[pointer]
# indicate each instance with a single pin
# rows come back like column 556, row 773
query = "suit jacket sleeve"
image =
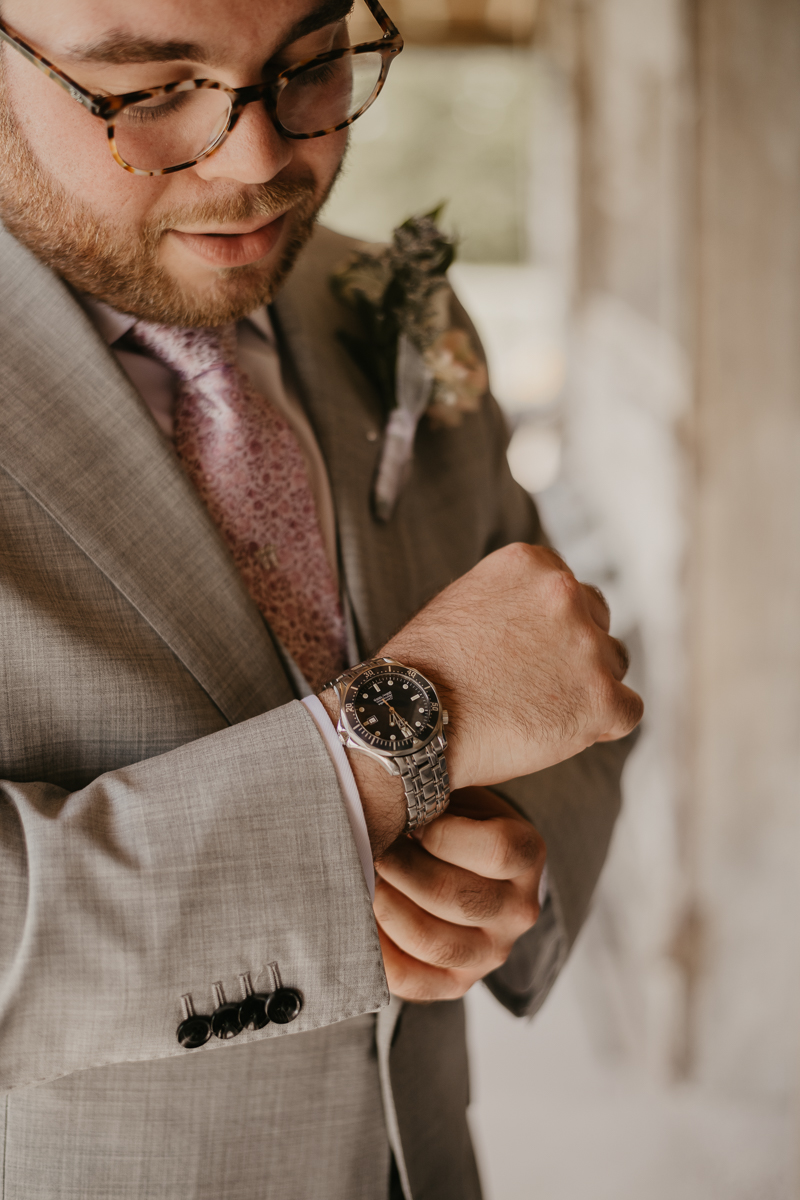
column 158, row 879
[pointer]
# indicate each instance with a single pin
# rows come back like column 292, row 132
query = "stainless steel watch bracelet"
column 426, row 782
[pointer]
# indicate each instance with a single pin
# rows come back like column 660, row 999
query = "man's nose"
column 253, row 152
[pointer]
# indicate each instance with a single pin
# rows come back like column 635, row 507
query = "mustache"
column 266, row 200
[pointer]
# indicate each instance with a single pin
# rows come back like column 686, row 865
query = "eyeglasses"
column 160, row 130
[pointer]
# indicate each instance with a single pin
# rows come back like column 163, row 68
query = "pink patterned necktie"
column 245, row 462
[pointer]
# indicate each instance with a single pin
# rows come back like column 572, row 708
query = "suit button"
column 225, row 1021
column 194, row 1032
column 225, row 1017
column 284, row 1005
column 253, row 1011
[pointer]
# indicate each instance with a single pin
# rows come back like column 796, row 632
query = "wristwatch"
column 392, row 713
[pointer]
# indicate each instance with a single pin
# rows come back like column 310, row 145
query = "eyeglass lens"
column 168, row 130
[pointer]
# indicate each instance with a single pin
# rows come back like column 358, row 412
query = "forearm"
column 161, row 878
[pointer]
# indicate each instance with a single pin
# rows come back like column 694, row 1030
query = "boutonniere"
column 418, row 361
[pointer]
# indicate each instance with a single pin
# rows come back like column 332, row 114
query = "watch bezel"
column 367, row 742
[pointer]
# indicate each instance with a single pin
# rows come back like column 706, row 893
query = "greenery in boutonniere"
column 402, row 289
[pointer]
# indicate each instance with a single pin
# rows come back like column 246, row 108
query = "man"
column 191, row 963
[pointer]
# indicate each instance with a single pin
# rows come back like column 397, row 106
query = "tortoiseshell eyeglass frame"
column 107, row 107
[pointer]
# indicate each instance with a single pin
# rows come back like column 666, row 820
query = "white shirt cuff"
column 344, row 773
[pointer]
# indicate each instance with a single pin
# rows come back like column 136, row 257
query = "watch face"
column 392, row 709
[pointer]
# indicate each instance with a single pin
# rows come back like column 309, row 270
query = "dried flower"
column 409, row 350
column 401, row 288
column 460, row 378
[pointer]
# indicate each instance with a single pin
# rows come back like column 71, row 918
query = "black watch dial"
column 392, row 709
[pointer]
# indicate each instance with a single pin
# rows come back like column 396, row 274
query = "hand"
column 451, row 900
column 521, row 654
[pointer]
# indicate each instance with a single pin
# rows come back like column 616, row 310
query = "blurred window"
column 456, row 124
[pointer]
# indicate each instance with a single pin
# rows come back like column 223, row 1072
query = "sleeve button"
column 194, row 1032
column 284, row 1005
column 225, row 1022
column 253, row 1011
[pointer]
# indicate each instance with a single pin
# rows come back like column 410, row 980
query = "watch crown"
column 445, row 717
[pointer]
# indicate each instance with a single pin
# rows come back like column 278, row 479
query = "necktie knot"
column 190, row 353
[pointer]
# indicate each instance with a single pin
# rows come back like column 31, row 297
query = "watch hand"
column 407, row 728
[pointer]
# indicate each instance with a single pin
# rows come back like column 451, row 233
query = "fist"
column 521, row 653
column 451, row 900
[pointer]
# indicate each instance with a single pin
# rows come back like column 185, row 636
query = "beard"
column 120, row 266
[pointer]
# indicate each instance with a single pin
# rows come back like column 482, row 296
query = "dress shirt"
column 259, row 357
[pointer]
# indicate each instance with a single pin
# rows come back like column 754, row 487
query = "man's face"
column 201, row 246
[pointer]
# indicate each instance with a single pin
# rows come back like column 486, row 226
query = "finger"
column 597, row 605
column 616, row 657
column 413, row 980
column 629, row 710
column 431, row 940
column 452, row 893
column 479, row 803
column 497, row 848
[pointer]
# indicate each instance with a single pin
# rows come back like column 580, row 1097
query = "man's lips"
column 233, row 249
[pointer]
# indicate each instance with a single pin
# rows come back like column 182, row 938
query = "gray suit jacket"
column 169, row 815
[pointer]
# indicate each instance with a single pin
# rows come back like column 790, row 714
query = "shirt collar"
column 111, row 325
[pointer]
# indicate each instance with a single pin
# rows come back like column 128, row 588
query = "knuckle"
column 452, row 955
column 480, row 901
column 549, row 557
column 499, row 851
column 516, row 556
column 529, row 912
column 534, row 851
column 424, row 941
column 514, row 849
column 506, row 859
column 565, row 591
column 422, row 944
column 443, row 893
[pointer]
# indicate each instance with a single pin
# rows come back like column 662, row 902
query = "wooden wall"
column 744, row 813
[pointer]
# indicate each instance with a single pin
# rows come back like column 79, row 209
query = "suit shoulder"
column 325, row 251
column 325, row 239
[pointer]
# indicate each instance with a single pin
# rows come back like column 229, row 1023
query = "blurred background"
column 624, row 179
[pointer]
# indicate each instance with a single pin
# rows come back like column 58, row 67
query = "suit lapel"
column 378, row 560
column 77, row 437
